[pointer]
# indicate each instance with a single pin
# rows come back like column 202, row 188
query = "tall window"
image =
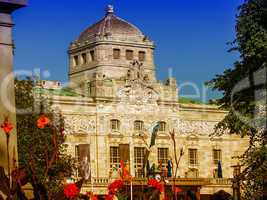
column 92, row 55
column 138, row 125
column 114, row 157
column 163, row 156
column 82, row 154
column 76, row 60
column 139, row 153
column 116, row 53
column 192, row 157
column 141, row 56
column 84, row 58
column 162, row 126
column 129, row 54
column 114, row 125
column 217, row 156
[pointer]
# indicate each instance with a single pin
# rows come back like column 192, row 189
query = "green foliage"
column 41, row 151
column 244, row 93
column 189, row 101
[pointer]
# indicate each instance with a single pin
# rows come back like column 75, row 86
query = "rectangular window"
column 114, row 157
column 92, row 55
column 76, row 60
column 162, row 126
column 84, row 58
column 163, row 156
column 82, row 154
column 217, row 156
column 138, row 125
column 192, row 157
column 115, row 125
column 139, row 153
column 116, row 53
column 141, row 55
column 129, row 54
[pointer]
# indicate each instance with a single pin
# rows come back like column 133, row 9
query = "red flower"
column 71, row 191
column 115, row 186
column 155, row 184
column 125, row 174
column 109, row 197
column 177, row 190
column 93, row 197
column 42, row 121
column 7, row 126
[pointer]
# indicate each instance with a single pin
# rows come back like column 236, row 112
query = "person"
column 169, row 168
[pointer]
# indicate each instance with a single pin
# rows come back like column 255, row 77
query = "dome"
column 111, row 25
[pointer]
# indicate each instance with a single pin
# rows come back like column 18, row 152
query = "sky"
column 191, row 36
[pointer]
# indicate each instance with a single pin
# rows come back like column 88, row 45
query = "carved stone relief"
column 78, row 124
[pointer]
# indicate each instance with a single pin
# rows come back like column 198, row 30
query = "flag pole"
column 131, row 190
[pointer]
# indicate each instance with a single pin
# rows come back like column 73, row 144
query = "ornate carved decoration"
column 138, row 90
column 78, row 124
column 196, row 127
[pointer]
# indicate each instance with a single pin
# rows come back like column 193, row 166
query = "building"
column 7, row 99
column 117, row 98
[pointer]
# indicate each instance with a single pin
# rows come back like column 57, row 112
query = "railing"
column 100, row 181
column 220, row 181
column 169, row 181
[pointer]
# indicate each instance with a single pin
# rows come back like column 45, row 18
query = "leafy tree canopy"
column 244, row 93
column 41, row 151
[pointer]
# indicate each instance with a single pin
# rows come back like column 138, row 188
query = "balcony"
column 169, row 181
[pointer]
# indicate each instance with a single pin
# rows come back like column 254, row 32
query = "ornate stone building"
column 117, row 99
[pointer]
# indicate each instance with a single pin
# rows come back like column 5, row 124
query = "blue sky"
column 190, row 35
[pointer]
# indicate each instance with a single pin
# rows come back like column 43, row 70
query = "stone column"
column 7, row 100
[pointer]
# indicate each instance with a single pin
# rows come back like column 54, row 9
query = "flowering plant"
column 155, row 184
column 115, row 186
column 71, row 191
column 7, row 126
column 42, row 121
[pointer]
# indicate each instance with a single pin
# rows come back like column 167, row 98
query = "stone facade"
column 117, row 99
column 7, row 97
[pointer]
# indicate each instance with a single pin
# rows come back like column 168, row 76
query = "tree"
column 41, row 147
column 244, row 94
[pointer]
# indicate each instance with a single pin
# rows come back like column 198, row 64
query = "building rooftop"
column 110, row 25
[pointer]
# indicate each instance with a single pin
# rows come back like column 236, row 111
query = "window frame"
column 143, row 57
column 194, row 159
column 76, row 60
column 129, row 54
column 117, row 125
column 92, row 55
column 116, row 57
column 139, row 154
column 218, row 153
column 114, row 157
column 163, row 156
column 162, row 126
column 84, row 58
column 138, row 125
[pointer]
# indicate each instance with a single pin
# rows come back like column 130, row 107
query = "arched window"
column 138, row 125
column 162, row 126
column 114, row 125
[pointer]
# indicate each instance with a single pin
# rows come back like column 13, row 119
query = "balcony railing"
column 169, row 181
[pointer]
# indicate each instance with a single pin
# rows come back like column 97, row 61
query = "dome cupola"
column 111, row 27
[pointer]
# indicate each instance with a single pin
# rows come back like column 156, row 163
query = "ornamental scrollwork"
column 197, row 127
column 78, row 125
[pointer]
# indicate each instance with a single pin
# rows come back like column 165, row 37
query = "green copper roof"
column 56, row 92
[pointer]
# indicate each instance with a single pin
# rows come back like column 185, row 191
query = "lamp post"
column 7, row 96
column 236, row 181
